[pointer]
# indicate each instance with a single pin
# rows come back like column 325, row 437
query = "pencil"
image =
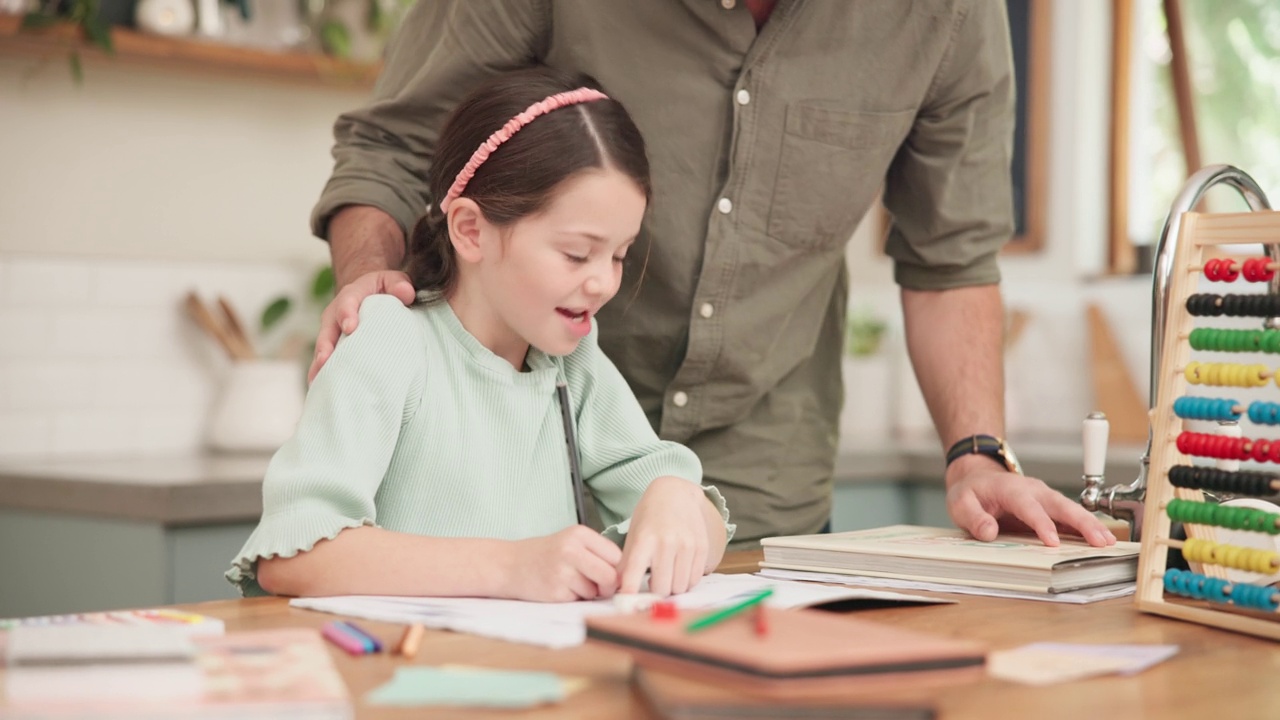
column 411, row 640
column 723, row 614
column 571, row 441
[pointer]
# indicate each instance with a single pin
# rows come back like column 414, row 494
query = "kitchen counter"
column 170, row 490
column 211, row 488
column 919, row 460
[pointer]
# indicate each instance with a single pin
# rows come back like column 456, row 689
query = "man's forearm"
column 955, row 339
column 363, row 239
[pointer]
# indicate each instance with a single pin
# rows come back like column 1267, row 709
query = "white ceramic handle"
column 1230, row 429
column 1096, row 430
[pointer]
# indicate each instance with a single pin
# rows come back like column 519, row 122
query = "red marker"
column 762, row 621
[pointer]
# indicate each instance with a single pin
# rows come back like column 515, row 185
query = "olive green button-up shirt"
column 766, row 149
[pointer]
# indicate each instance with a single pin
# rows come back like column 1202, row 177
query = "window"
column 1215, row 63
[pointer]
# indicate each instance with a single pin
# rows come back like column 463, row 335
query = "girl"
column 431, row 456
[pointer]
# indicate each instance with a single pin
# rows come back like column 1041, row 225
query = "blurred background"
column 161, row 158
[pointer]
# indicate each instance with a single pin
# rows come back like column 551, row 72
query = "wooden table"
column 1217, row 674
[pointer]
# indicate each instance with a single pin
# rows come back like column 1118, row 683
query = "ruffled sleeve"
column 324, row 479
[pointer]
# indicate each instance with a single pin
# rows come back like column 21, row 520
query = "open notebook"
column 560, row 625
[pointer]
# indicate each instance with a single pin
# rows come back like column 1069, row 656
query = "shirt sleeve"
column 444, row 48
column 323, row 479
column 949, row 188
column 620, row 453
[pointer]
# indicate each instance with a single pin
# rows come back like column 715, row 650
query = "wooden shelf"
column 140, row 49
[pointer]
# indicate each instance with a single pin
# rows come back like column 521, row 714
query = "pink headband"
column 504, row 133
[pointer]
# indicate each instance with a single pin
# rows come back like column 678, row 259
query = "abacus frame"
column 1195, row 233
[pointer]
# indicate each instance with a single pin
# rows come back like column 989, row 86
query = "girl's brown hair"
column 520, row 176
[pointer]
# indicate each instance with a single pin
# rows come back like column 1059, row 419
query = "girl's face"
column 542, row 279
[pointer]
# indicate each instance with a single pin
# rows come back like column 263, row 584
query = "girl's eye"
column 619, row 260
column 577, row 259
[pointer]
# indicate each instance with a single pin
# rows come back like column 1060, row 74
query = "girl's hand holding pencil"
column 576, row 563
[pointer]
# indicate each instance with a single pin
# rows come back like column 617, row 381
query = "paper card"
column 1047, row 663
column 471, row 687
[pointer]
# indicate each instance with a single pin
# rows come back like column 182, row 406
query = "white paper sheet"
column 560, row 625
column 1079, row 597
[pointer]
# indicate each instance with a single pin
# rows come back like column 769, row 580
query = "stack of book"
column 149, row 671
column 950, row 556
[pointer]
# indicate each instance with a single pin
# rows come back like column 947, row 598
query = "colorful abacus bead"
column 1264, row 413
column 1203, row 408
column 1221, row 270
column 1257, row 270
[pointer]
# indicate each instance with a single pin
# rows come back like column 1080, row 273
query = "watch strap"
column 989, row 445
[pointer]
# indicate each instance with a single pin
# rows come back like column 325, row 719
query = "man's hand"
column 983, row 499
column 342, row 315
column 668, row 537
column 576, row 563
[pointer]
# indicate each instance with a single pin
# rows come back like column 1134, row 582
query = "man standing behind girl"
column 431, row 456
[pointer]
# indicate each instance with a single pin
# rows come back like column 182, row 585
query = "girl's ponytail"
column 432, row 264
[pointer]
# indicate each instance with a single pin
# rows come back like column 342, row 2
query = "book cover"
column 803, row 651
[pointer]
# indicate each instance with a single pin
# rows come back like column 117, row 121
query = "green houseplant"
column 863, row 333
column 302, row 334
column 81, row 13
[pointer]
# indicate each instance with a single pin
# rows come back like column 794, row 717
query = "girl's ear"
column 465, row 221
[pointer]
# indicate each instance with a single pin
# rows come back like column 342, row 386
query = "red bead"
column 1227, row 271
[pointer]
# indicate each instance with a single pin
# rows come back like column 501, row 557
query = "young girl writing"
column 431, row 456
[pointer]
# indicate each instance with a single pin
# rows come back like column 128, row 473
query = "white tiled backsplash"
column 97, row 357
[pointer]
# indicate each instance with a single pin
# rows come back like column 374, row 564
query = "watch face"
column 1010, row 459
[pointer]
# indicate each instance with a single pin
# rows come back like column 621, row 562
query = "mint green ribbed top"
column 416, row 427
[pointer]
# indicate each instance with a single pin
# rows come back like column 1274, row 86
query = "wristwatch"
column 991, row 446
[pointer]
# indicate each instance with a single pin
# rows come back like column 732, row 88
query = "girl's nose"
column 602, row 281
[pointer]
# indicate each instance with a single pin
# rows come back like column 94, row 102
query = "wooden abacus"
column 1175, row 487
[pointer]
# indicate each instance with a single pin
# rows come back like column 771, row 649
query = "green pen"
column 712, row 618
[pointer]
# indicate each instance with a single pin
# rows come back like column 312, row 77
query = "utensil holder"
column 258, row 406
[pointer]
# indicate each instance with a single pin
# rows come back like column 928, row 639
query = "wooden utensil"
column 210, row 324
column 236, row 329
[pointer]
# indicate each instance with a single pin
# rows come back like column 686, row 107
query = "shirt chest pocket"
column 832, row 163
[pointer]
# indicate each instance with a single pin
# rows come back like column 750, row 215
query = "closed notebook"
column 286, row 673
column 672, row 697
column 945, row 555
column 70, row 663
column 804, row 651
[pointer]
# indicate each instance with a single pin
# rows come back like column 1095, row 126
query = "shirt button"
column 725, row 205
column 680, row 398
column 744, row 97
column 706, row 310
column 728, row 4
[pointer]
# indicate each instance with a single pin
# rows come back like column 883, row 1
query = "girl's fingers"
column 582, row 587
column 682, row 571
column 603, row 575
column 661, row 571
column 635, row 561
